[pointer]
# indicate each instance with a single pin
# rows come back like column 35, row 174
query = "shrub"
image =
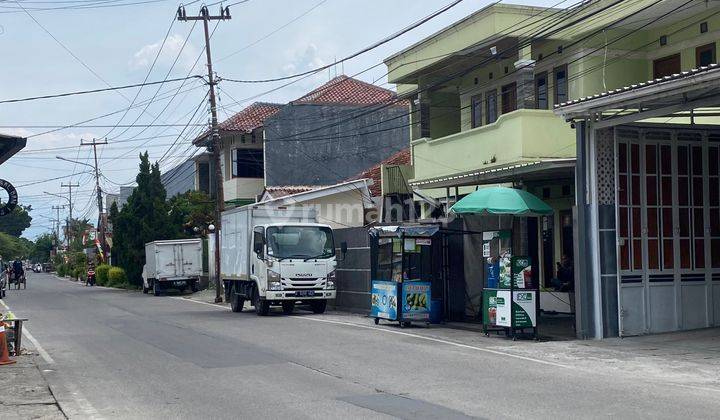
column 117, row 277
column 62, row 270
column 101, row 274
column 79, row 274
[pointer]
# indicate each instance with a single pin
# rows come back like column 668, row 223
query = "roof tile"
column 346, row 90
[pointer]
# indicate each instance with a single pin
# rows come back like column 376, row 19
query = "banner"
column 522, row 272
column 524, row 314
column 384, row 300
column 416, row 300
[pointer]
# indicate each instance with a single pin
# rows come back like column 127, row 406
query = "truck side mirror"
column 258, row 248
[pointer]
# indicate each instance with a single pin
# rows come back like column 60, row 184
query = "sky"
column 64, row 50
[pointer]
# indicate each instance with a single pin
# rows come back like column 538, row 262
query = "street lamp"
column 56, row 195
column 74, row 161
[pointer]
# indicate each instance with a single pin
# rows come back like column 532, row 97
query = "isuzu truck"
column 277, row 257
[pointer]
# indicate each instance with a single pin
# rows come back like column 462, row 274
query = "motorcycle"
column 90, row 279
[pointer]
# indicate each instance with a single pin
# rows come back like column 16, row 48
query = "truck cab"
column 290, row 263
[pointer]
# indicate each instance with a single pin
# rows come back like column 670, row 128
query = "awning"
column 522, row 171
column 424, row 231
column 9, row 145
column 693, row 89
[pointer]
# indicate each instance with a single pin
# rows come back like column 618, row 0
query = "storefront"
column 650, row 212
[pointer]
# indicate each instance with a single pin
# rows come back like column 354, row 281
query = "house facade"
column 482, row 94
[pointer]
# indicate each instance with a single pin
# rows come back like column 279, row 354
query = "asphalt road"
column 119, row 354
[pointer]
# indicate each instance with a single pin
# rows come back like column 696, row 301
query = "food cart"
column 402, row 289
column 510, row 298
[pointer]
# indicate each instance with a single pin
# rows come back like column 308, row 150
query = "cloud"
column 145, row 56
column 303, row 60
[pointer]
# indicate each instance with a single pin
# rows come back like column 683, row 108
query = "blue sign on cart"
column 416, row 300
column 384, row 300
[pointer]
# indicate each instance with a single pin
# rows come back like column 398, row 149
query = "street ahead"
column 119, row 354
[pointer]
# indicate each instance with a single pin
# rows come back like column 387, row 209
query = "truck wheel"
column 318, row 306
column 262, row 306
column 156, row 287
column 194, row 286
column 236, row 301
column 288, row 307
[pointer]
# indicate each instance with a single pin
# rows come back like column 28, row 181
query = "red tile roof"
column 246, row 120
column 346, row 90
column 400, row 158
column 250, row 118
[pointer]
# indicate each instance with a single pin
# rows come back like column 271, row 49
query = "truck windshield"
column 300, row 242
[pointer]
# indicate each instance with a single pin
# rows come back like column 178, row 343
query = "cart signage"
column 384, row 300
column 416, row 300
column 522, row 272
column 524, row 313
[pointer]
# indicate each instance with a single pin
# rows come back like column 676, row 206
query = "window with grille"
column 247, row 163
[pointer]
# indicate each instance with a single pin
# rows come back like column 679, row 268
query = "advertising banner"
column 416, row 300
column 384, row 300
column 502, row 308
column 524, row 309
column 505, row 271
column 522, row 272
column 490, row 305
column 524, row 313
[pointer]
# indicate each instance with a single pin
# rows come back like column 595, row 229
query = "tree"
column 41, row 249
column 76, row 232
column 144, row 218
column 15, row 222
column 12, row 247
column 193, row 209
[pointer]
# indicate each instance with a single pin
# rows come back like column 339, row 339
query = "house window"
column 666, row 66
column 541, row 91
column 476, row 109
column 509, row 98
column 561, row 85
column 247, row 163
column 424, row 119
column 705, row 55
column 491, row 107
column 204, row 177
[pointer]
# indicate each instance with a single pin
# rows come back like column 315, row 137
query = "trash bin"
column 436, row 311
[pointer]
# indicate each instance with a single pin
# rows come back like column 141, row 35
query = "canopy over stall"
column 510, row 297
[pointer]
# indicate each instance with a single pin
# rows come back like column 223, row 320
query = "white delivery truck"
column 277, row 256
column 172, row 264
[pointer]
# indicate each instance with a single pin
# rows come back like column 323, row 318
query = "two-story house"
column 482, row 92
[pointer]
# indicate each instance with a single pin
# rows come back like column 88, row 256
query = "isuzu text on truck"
column 277, row 256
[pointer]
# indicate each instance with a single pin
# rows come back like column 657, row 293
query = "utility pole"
column 57, row 226
column 69, row 186
column 101, row 225
column 215, row 144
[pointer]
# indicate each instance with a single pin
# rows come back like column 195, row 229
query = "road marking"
column 407, row 334
column 437, row 340
column 198, row 301
column 45, row 355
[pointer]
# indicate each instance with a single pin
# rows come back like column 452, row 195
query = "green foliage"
column 101, row 274
column 40, row 252
column 117, row 278
column 62, row 269
column 12, row 247
column 193, row 209
column 16, row 221
column 79, row 273
column 144, row 218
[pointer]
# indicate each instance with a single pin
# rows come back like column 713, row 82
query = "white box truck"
column 277, row 256
column 172, row 264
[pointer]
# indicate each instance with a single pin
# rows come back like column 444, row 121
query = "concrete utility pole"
column 101, row 225
column 69, row 186
column 57, row 219
column 215, row 144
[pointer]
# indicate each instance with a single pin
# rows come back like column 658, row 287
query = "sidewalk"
column 24, row 393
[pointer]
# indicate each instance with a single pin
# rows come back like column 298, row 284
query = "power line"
column 85, row 92
column 357, row 53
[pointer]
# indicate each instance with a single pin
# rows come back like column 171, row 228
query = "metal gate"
column 668, row 228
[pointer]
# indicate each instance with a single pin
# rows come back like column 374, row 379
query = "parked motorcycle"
column 90, row 279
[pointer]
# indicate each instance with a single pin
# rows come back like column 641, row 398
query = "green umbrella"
column 501, row 200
